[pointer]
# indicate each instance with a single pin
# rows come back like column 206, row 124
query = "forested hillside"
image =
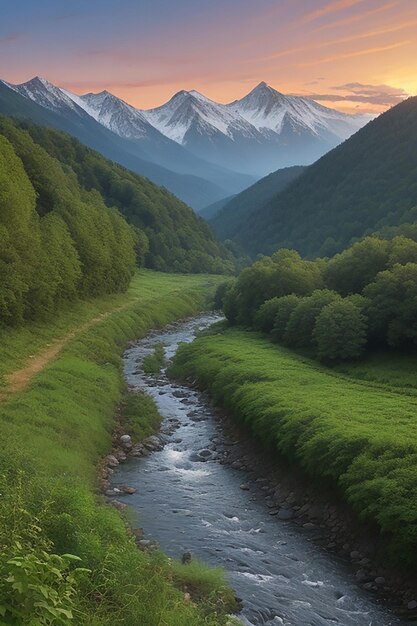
column 229, row 219
column 178, row 240
column 367, row 183
column 62, row 232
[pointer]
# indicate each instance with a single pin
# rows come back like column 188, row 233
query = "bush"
column 154, row 362
column 299, row 330
column 340, row 331
column 287, row 304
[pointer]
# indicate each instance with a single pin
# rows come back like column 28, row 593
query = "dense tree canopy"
column 340, row 330
column 57, row 241
column 285, row 272
column 366, row 295
column 300, row 327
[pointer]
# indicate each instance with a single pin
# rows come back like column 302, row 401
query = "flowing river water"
column 191, row 502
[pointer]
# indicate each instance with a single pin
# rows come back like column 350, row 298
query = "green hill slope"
column 230, row 217
column 367, row 183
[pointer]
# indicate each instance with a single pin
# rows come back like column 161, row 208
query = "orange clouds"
column 331, row 7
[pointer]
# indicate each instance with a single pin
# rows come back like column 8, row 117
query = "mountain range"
column 199, row 149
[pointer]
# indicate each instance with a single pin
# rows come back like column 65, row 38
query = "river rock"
column 205, row 452
column 127, row 489
column 152, row 443
column 379, row 580
column 195, row 457
column 285, row 514
column 244, row 487
column 363, row 576
column 125, row 439
column 412, row 605
column 112, row 461
column 179, row 394
column 121, row 506
column 355, row 555
column 138, row 450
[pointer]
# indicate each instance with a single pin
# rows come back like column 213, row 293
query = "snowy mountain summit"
column 266, row 108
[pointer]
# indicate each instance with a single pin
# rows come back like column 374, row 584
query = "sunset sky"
column 354, row 55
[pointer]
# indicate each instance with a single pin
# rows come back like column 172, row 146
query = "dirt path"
column 21, row 378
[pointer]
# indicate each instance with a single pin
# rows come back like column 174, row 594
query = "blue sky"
column 144, row 51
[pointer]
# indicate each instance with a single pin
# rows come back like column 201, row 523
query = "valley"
column 208, row 313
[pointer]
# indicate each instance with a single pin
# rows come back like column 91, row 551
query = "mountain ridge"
column 260, row 133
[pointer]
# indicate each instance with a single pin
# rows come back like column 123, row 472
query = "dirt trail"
column 20, row 379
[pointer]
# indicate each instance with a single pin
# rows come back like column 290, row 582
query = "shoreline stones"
column 289, row 496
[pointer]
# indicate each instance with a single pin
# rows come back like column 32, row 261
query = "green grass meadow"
column 349, row 429
column 53, row 436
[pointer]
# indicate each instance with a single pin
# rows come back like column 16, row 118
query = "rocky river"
column 189, row 501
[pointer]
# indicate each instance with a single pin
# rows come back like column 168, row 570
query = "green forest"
column 362, row 299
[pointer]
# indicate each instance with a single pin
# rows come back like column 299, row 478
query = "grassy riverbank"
column 53, row 435
column 359, row 434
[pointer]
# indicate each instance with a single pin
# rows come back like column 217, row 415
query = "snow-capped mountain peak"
column 114, row 113
column 44, row 93
column 267, row 109
column 192, row 112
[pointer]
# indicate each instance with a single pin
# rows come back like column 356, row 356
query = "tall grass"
column 359, row 434
column 53, row 435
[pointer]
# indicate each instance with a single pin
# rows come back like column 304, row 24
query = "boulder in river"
column 285, row 514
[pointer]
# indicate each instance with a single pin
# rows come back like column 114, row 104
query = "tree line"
column 362, row 298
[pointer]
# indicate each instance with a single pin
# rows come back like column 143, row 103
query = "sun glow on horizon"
column 148, row 52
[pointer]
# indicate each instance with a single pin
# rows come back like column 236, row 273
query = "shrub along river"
column 188, row 501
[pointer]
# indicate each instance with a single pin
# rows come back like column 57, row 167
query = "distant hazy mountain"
column 366, row 184
column 209, row 211
column 263, row 131
column 233, row 214
column 44, row 103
